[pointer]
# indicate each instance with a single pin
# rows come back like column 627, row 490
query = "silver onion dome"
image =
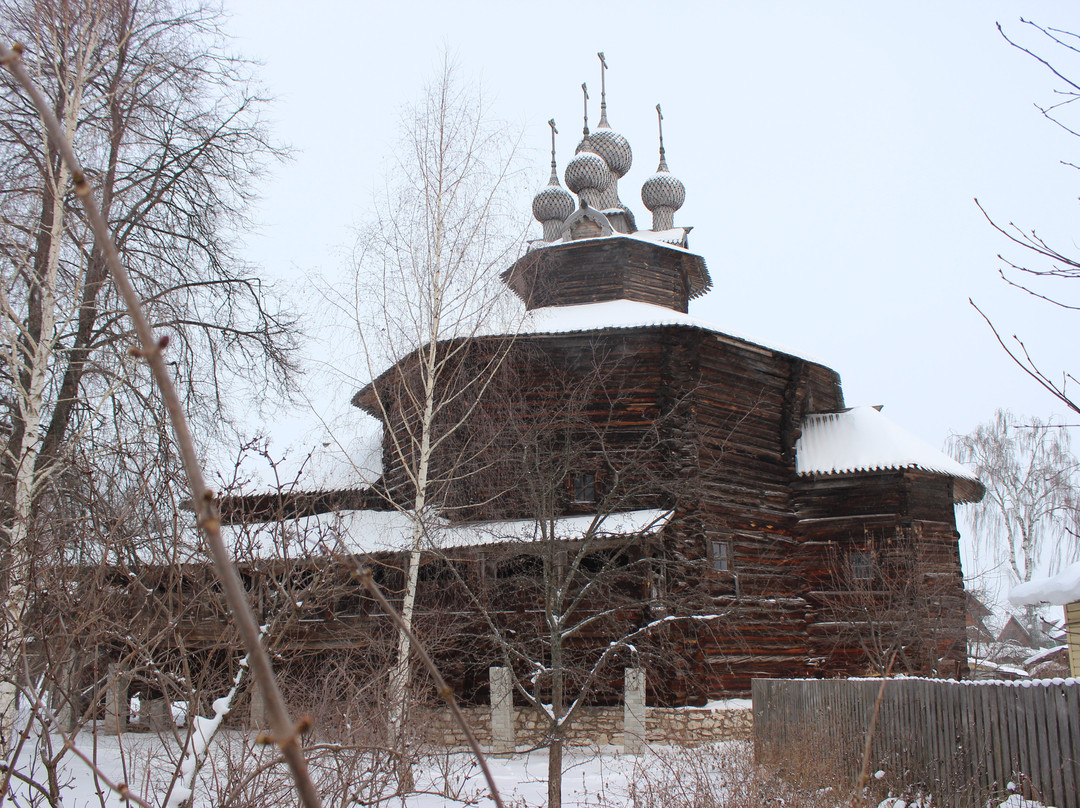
column 663, row 193
column 588, row 172
column 553, row 203
column 663, row 190
column 614, row 148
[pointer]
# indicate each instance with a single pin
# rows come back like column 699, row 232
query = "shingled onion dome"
column 553, row 204
column 613, row 147
column 588, row 176
column 663, row 193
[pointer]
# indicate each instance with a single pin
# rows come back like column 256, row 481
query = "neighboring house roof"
column 976, row 611
column 1059, row 651
column 862, row 439
column 1059, row 589
column 374, row 531
column 1014, row 631
column 997, row 670
column 974, row 606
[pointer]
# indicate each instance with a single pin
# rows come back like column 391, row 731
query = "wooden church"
column 667, row 495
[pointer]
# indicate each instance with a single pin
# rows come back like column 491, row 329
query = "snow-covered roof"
column 367, row 531
column 624, row 314
column 672, row 238
column 1059, row 589
column 676, row 236
column 999, row 668
column 1045, row 653
column 862, row 439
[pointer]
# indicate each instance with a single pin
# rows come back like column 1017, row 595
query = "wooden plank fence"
column 955, row 740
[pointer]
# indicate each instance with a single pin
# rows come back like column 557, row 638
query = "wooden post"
column 502, row 711
column 117, row 701
column 634, row 711
column 65, row 697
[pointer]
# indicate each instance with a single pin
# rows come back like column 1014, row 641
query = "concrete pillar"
column 117, row 700
column 502, row 711
column 257, row 718
column 634, row 711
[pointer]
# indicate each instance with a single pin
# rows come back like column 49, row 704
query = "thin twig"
column 284, row 731
column 1028, row 366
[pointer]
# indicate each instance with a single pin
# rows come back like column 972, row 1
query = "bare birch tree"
column 443, row 226
column 1027, row 520
column 163, row 117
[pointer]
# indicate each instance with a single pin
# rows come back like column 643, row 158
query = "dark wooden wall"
column 608, row 269
column 707, row 423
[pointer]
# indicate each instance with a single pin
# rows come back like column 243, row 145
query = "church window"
column 862, row 567
column 720, row 551
column 585, row 487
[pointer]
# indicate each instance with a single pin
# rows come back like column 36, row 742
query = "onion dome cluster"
column 601, row 159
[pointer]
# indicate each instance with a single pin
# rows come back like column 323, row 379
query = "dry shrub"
column 723, row 776
column 243, row 773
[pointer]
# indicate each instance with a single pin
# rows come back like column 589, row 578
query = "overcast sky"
column 831, row 153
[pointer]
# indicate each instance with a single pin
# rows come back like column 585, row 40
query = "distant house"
column 1062, row 589
column 1014, row 632
column 976, row 612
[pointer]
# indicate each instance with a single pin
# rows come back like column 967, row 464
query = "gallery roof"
column 862, row 439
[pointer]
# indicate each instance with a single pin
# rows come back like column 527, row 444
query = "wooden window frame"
column 722, row 556
column 863, row 566
column 583, row 486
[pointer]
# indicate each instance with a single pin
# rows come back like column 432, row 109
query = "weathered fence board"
column 955, row 739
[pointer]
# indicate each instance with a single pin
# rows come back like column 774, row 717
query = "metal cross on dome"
column 585, row 91
column 603, row 89
column 554, row 132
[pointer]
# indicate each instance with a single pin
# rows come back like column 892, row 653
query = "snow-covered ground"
column 593, row 777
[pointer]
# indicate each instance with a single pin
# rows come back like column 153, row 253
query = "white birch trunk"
column 36, row 357
column 27, row 478
column 401, row 673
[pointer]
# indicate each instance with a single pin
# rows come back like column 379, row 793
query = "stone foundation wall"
column 688, row 726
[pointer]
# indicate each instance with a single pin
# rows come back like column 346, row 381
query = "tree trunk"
column 558, row 711
column 555, row 755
